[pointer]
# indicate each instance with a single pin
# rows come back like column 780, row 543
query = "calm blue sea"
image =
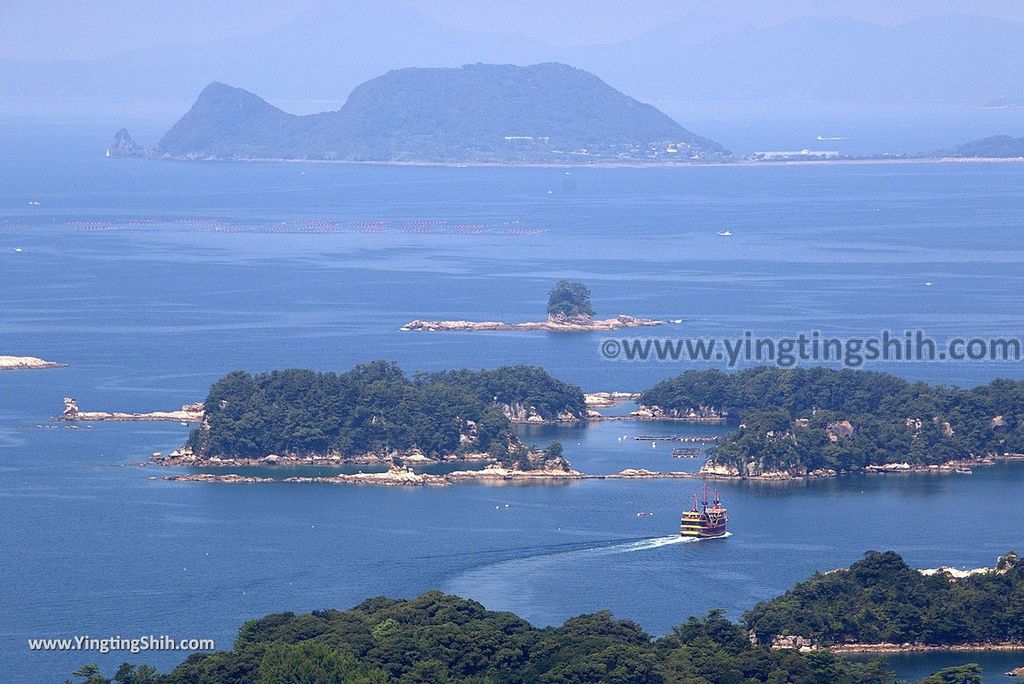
column 153, row 279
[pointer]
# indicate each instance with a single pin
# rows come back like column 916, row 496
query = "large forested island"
column 818, row 421
column 477, row 113
column 443, row 638
column 813, row 422
column 374, row 412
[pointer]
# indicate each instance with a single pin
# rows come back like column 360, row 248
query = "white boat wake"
column 654, row 543
column 512, row 584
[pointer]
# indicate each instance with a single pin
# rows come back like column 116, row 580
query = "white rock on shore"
column 26, row 363
column 189, row 413
column 552, row 324
column 607, row 399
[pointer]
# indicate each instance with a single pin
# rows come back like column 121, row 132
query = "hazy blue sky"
column 68, row 29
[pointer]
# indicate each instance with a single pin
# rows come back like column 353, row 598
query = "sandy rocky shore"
column 806, row 645
column 716, row 471
column 552, row 324
column 27, row 363
column 188, row 413
column 404, row 476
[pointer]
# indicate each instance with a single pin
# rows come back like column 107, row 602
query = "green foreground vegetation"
column 442, row 638
column 881, row 599
column 799, row 420
column 376, row 409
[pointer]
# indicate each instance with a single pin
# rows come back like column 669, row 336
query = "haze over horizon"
column 888, row 76
column 92, row 31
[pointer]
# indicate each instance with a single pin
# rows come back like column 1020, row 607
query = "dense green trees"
column 570, row 300
column 795, row 419
column 375, row 408
column 880, row 599
column 441, row 638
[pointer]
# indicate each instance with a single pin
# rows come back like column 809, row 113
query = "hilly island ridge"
column 545, row 113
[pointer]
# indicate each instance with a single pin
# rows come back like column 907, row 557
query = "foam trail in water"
column 652, row 543
column 646, row 544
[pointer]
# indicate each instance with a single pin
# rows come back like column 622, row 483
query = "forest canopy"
column 802, row 419
column 881, row 599
column 375, row 408
column 442, row 638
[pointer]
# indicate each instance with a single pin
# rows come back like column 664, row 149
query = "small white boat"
column 928, row 283
column 725, row 233
column 18, row 249
column 33, row 203
column 108, row 153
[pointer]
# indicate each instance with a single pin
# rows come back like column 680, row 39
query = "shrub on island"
column 570, row 301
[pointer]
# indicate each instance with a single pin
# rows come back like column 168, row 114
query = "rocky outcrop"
column 1004, row 564
column 395, row 476
column 1016, row 672
column 699, row 414
column 644, row 474
column 550, row 325
column 712, row 469
column 229, row 478
column 125, row 146
column 185, row 456
column 188, row 413
column 840, row 429
column 26, row 363
column 908, row 647
column 783, row 641
column 608, row 399
column 754, row 471
column 520, row 413
column 497, row 473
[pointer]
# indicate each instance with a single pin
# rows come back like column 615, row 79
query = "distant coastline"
column 610, row 164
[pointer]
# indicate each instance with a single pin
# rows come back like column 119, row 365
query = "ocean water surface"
column 153, row 279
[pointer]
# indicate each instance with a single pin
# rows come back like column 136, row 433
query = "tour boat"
column 705, row 519
column 725, row 233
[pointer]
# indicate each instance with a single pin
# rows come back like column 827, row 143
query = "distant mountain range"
column 994, row 147
column 477, row 113
column 708, row 57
